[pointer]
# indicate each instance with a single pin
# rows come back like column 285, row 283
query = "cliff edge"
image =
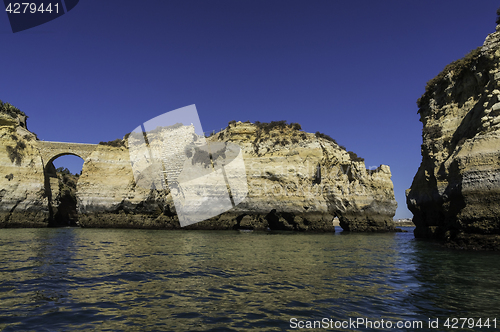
column 296, row 181
column 455, row 194
column 23, row 200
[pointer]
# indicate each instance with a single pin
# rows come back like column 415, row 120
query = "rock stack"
column 455, row 195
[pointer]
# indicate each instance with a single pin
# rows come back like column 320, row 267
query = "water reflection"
column 456, row 283
column 140, row 280
column 36, row 265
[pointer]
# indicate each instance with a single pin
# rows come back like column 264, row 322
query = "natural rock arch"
column 53, row 150
column 62, row 205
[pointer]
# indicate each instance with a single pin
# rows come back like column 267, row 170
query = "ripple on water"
column 137, row 280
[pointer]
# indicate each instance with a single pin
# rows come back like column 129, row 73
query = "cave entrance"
column 61, row 177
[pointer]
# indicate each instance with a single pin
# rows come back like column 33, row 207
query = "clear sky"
column 350, row 69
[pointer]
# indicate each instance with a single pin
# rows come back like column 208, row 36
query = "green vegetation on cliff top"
column 456, row 68
column 264, row 128
column 10, row 110
column 117, row 143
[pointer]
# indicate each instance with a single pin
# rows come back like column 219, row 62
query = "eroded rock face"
column 23, row 202
column 296, row 181
column 455, row 194
column 108, row 196
column 301, row 181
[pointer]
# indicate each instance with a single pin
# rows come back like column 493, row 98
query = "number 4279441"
column 460, row 323
column 27, row 7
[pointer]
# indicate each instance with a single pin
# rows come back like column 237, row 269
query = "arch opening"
column 61, row 177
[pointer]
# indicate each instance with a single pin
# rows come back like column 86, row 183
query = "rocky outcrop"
column 299, row 180
column 63, row 197
column 23, row 201
column 296, row 181
column 108, row 196
column 455, row 194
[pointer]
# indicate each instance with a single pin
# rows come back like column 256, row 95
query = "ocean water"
column 72, row 279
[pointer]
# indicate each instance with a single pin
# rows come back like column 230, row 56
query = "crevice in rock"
column 62, row 201
column 239, row 225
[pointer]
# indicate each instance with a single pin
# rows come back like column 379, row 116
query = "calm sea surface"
column 72, row 279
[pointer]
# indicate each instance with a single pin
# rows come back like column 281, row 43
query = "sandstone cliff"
column 308, row 178
column 63, row 197
column 23, row 202
column 455, row 194
column 296, row 181
column 108, row 196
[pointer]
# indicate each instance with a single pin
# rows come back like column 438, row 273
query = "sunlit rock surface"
column 291, row 180
column 455, row 195
column 23, row 201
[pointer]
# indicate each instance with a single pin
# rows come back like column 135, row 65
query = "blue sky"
column 350, row 69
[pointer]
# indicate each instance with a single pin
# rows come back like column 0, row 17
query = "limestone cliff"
column 308, row 179
column 23, row 201
column 296, row 181
column 108, row 196
column 455, row 194
column 63, row 198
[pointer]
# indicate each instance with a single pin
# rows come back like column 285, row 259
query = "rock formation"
column 296, row 181
column 108, row 196
column 23, row 201
column 455, row 194
column 63, row 196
